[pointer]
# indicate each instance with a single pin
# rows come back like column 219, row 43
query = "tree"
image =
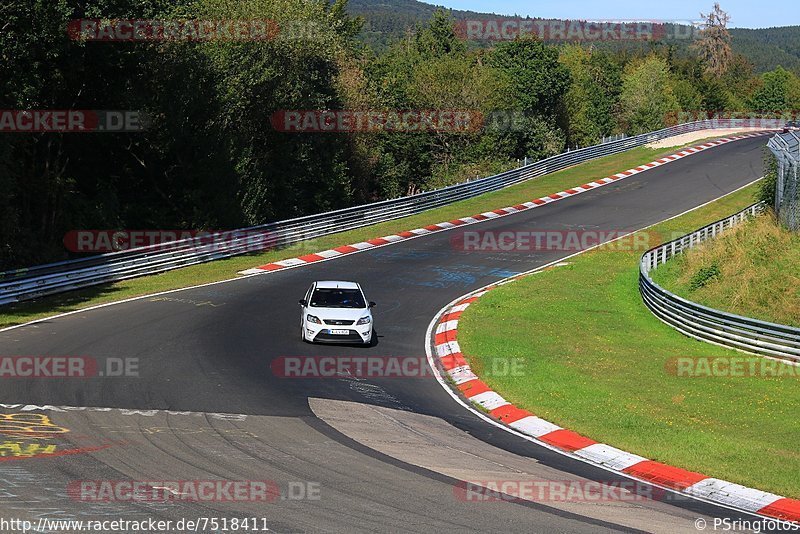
column 739, row 81
column 425, row 70
column 538, row 80
column 592, row 95
column 647, row 99
column 715, row 96
column 688, row 97
column 714, row 43
column 438, row 38
column 778, row 92
column 455, row 83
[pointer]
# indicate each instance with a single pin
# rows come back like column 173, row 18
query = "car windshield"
column 337, row 298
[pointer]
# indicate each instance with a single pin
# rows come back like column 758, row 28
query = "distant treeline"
column 764, row 48
column 212, row 159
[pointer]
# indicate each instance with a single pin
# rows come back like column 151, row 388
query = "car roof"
column 334, row 284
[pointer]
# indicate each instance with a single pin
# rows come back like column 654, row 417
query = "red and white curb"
column 494, row 214
column 451, row 360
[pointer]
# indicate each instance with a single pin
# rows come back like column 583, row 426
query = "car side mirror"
column 372, row 304
column 303, row 302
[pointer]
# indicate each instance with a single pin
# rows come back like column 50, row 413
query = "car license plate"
column 339, row 332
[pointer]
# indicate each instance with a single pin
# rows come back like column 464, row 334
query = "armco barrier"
column 33, row 282
column 708, row 324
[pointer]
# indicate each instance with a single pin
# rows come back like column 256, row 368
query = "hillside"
column 387, row 20
column 769, row 47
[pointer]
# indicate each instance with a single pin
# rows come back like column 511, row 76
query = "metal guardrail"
column 38, row 281
column 708, row 324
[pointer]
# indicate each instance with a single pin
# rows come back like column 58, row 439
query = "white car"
column 336, row 312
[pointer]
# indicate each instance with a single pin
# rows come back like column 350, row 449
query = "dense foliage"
column 212, row 160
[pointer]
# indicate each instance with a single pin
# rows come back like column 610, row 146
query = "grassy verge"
column 223, row 269
column 594, row 360
column 751, row 271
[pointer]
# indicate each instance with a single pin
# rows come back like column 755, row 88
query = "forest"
column 211, row 157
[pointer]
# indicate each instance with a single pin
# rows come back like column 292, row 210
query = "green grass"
column 224, row 269
column 757, row 272
column 594, row 360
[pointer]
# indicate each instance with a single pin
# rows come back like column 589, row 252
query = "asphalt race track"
column 366, row 455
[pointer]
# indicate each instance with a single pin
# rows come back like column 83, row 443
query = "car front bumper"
column 321, row 333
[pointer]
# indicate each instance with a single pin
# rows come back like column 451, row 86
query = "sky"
column 744, row 13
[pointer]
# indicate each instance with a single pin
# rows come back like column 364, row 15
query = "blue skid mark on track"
column 462, row 276
column 502, row 273
column 448, row 278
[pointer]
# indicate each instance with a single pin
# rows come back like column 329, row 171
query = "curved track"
column 384, row 453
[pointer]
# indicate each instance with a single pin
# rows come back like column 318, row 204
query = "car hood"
column 346, row 314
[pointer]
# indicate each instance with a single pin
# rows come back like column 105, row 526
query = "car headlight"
column 364, row 320
column 312, row 319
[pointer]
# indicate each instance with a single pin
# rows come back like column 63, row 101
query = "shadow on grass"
column 22, row 312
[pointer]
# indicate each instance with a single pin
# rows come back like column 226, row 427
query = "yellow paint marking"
column 29, row 425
